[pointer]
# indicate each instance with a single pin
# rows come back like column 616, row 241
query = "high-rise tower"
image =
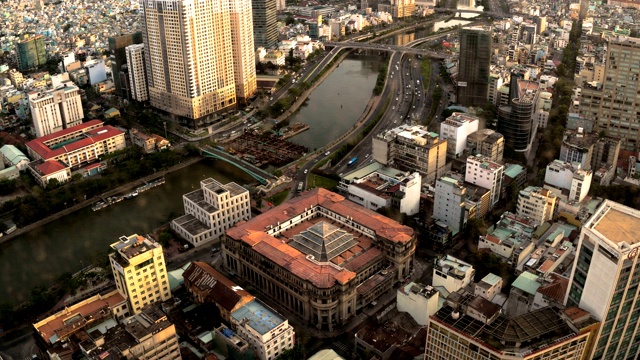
column 613, row 105
column 474, row 65
column 244, row 56
column 265, row 32
column 605, row 279
column 190, row 56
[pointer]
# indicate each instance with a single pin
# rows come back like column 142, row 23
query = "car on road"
column 306, row 171
column 270, row 99
column 327, row 153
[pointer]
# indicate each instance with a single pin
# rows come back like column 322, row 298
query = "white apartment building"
column 139, row 271
column 375, row 186
column 418, row 300
column 605, row 279
column 568, row 180
column 483, row 172
column 452, row 274
column 449, row 203
column 137, row 72
column 56, row 109
column 265, row 330
column 211, row 210
column 455, row 129
column 541, row 114
column 537, row 204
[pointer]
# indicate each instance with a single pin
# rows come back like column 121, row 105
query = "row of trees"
column 126, row 166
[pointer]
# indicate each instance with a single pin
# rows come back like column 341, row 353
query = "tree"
column 165, row 238
column 290, row 20
column 295, row 353
column 7, row 186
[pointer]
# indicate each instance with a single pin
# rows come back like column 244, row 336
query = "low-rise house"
column 208, row 285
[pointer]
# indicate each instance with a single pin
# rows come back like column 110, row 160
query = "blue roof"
column 12, row 154
column 260, row 318
column 513, row 170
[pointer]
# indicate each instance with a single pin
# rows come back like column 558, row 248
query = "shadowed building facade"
column 474, row 65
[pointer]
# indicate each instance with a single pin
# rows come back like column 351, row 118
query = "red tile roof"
column 70, row 130
column 55, row 324
column 252, row 233
column 86, row 139
column 557, row 289
column 50, row 166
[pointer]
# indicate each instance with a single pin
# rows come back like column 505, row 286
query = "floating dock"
column 116, row 199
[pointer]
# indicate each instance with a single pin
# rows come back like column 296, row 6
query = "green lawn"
column 321, row 181
column 425, row 71
column 278, row 198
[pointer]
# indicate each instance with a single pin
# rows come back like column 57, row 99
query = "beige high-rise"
column 244, row 56
column 190, row 55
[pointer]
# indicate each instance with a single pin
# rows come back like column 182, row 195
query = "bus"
column 352, row 161
column 300, row 185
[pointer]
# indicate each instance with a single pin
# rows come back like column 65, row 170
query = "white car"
column 305, row 171
column 270, row 99
column 327, row 153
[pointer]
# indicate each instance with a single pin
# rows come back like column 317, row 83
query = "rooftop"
column 134, row 245
column 513, row 170
column 220, row 289
column 617, row 223
column 533, row 331
column 258, row 316
column 61, row 324
column 527, row 282
column 272, row 235
column 491, row 279
column 83, row 139
column 458, row 119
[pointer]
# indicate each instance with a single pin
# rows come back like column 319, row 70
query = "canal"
column 337, row 103
column 70, row 243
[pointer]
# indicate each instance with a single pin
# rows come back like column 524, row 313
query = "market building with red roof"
column 320, row 255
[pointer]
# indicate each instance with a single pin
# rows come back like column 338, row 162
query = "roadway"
column 407, row 105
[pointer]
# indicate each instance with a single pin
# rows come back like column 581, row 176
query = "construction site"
column 265, row 149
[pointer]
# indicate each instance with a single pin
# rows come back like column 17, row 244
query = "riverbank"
column 303, row 97
column 88, row 202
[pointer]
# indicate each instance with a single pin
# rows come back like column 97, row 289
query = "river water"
column 337, row 103
column 69, row 243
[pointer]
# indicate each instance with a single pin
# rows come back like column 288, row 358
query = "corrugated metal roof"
column 527, row 282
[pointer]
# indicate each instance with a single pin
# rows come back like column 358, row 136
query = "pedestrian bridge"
column 264, row 177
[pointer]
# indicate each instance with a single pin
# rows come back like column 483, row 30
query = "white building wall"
column 448, row 205
column 418, row 306
column 456, row 133
column 410, row 205
column 97, row 72
column 485, row 173
column 137, row 72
